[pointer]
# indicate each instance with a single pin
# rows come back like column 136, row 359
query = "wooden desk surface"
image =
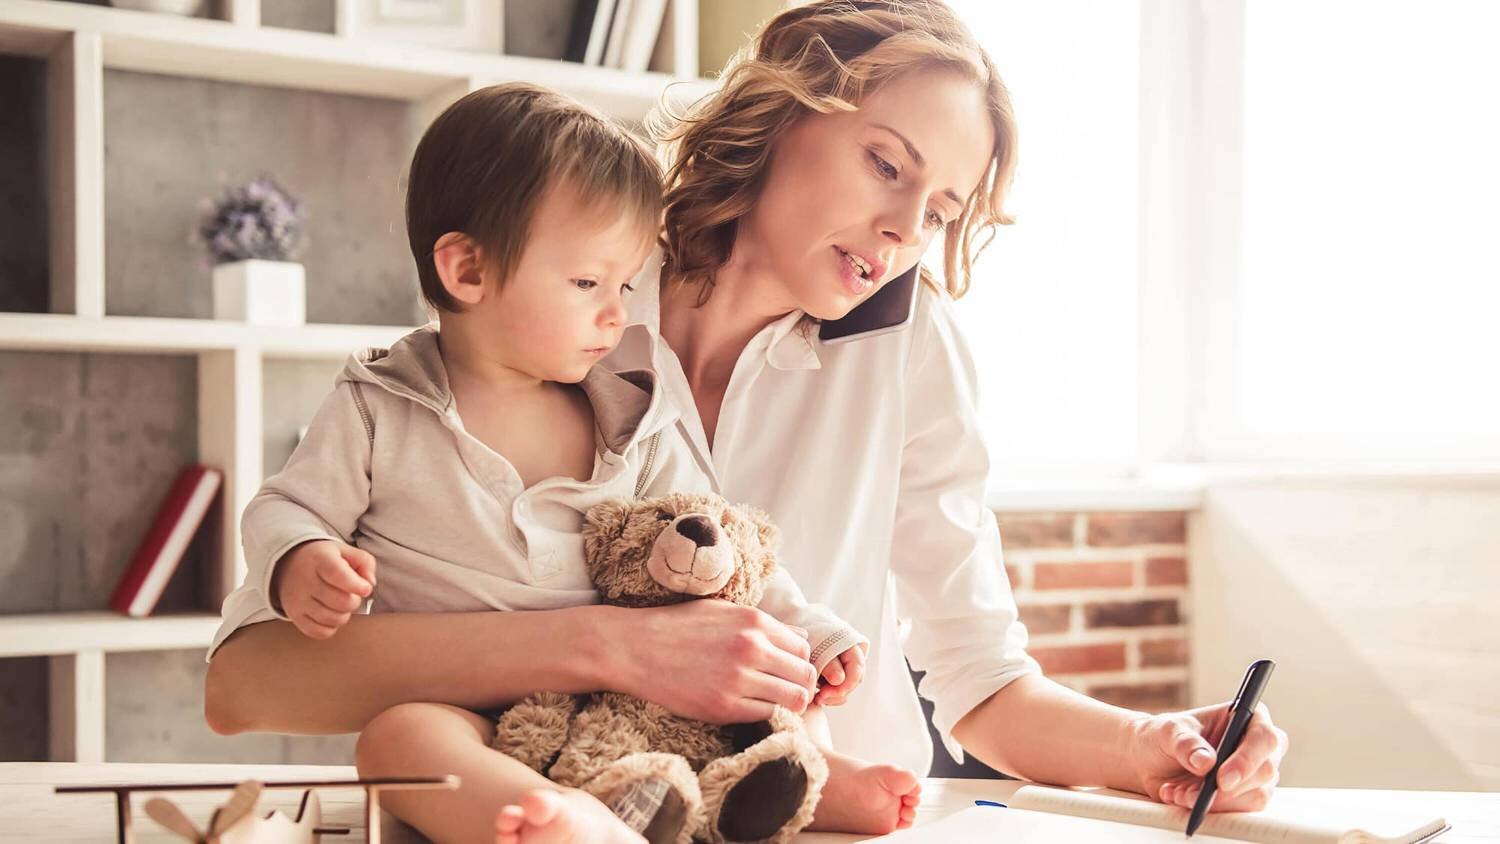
column 31, row 811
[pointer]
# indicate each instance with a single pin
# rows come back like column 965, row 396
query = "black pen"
column 1240, row 713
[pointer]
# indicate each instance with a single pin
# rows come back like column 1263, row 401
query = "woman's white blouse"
column 868, row 456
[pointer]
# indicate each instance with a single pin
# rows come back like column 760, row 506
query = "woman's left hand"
column 1172, row 753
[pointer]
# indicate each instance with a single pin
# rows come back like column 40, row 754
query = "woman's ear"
column 459, row 265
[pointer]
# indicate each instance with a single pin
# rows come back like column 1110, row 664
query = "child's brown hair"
column 485, row 163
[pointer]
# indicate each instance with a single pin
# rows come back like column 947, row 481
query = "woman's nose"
column 903, row 225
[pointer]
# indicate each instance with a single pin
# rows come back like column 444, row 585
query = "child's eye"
column 585, row 283
column 628, row 288
column 886, row 169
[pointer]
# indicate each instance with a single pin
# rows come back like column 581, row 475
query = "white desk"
column 30, row 811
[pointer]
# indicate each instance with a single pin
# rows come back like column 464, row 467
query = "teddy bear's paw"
column 655, row 794
column 765, row 794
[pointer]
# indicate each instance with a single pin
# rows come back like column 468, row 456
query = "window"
column 1366, row 303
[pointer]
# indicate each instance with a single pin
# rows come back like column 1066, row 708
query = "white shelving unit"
column 79, row 42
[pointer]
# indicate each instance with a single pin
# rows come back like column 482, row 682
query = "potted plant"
column 252, row 233
column 187, row 8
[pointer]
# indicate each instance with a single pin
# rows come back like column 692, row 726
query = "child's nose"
column 614, row 314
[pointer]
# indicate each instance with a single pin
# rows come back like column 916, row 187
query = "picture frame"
column 469, row 25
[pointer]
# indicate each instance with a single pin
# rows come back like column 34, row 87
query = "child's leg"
column 860, row 797
column 499, row 799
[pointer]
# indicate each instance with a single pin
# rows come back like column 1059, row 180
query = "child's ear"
column 460, row 266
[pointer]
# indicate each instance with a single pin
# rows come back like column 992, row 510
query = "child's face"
column 564, row 307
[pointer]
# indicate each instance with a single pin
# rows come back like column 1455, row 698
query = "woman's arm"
column 269, row 677
column 967, row 637
column 1041, row 731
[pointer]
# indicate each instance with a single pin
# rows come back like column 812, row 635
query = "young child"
column 463, row 458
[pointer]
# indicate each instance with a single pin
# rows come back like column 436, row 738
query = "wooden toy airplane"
column 235, row 823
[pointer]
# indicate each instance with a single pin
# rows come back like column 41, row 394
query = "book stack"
column 177, row 521
column 615, row 33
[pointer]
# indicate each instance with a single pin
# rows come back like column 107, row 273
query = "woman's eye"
column 886, row 169
column 625, row 288
column 934, row 220
column 585, row 283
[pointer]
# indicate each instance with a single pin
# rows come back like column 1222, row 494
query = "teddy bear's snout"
column 692, row 556
column 697, row 528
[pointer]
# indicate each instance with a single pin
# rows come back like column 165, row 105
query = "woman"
column 788, row 204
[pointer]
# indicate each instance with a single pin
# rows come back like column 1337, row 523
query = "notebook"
column 1038, row 813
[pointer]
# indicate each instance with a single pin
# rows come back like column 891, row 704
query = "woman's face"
column 852, row 199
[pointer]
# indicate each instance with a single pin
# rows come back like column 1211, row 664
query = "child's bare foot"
column 543, row 816
column 861, row 797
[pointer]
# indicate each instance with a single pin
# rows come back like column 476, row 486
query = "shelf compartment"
column 52, row 634
column 156, row 335
column 231, row 52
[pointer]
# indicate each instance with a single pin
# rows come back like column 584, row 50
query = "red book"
column 159, row 553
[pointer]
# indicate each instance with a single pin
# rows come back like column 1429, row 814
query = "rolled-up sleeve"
column 827, row 634
column 965, row 630
column 320, row 494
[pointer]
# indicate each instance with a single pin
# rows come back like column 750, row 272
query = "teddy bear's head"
column 677, row 547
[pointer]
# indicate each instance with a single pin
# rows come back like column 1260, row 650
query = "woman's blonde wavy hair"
column 820, row 57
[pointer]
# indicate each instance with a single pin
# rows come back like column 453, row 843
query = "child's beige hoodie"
column 387, row 466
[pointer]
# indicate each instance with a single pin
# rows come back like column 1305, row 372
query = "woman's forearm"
column 1039, row 730
column 270, row 678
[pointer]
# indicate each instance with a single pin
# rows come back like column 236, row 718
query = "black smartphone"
column 888, row 309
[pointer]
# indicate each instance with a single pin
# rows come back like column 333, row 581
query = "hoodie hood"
column 628, row 406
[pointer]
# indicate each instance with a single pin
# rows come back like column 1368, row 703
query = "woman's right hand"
column 711, row 660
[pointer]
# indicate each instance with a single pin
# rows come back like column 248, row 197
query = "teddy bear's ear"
column 770, row 535
column 604, row 523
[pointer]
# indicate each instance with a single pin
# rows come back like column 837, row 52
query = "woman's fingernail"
column 1228, row 779
column 1201, row 758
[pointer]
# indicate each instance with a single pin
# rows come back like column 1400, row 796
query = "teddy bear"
column 674, row 779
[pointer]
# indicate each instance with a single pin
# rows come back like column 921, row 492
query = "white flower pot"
column 188, row 8
column 260, row 292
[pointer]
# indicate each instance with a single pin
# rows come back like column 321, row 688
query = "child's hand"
column 840, row 677
column 319, row 583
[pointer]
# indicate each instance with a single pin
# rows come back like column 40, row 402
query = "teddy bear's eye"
column 665, row 517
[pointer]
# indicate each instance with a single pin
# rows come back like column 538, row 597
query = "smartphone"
column 889, row 309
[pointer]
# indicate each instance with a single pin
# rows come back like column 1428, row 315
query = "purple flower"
column 256, row 220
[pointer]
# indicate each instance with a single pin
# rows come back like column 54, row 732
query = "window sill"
column 1183, row 486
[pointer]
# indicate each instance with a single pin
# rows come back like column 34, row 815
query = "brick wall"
column 1104, row 596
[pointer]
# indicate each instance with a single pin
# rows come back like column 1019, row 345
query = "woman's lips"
column 855, row 283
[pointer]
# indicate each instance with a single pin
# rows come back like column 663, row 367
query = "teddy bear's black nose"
column 697, row 528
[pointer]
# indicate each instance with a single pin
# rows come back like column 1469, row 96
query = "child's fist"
column 841, row 676
column 320, row 583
